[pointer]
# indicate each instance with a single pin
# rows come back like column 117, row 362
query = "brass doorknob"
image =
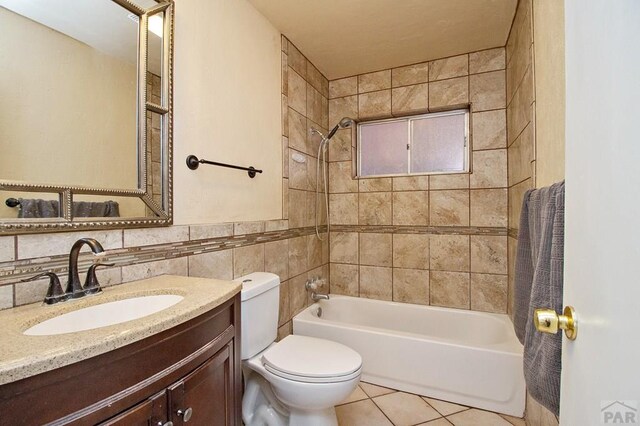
column 548, row 321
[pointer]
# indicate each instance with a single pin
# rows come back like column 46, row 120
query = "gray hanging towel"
column 96, row 209
column 34, row 208
column 538, row 284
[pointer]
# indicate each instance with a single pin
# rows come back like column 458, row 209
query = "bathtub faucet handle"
column 312, row 286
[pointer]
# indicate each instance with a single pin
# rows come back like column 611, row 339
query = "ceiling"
column 348, row 37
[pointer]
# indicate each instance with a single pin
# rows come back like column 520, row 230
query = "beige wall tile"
column 7, row 249
column 297, row 208
column 411, row 183
column 487, row 91
column 276, row 258
column 449, row 253
column 411, row 286
column 512, row 246
column 6, row 297
column 340, row 179
column 449, row 289
column 487, row 60
column 374, row 208
column 297, row 93
column 410, row 99
column 285, row 156
column 314, row 77
column 141, row 271
column 516, row 194
column 344, row 279
column 411, row 208
column 454, row 181
column 285, row 115
column 247, row 260
column 521, row 156
column 489, row 169
column 30, row 292
column 449, row 208
column 447, row 93
column 311, row 210
column 313, row 139
column 297, row 294
column 343, row 209
column 520, row 111
column 411, row 74
column 489, row 129
column 455, row 66
column 300, row 173
column 285, row 74
column 489, row 293
column 342, row 107
column 297, row 131
column 314, row 251
column 374, row 185
column 489, row 207
column 243, row 228
column 343, row 247
column 40, row 245
column 284, row 307
column 298, row 257
column 340, row 146
column 374, row 81
column 284, row 44
column 411, row 251
column 376, row 282
column 217, row 264
column 285, row 199
column 284, row 331
column 375, row 249
column 314, row 104
column 343, row 87
column 374, row 104
column 489, row 254
column 297, row 61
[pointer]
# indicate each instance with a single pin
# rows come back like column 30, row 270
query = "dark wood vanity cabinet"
column 189, row 374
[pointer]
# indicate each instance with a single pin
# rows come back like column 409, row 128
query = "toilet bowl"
column 297, row 381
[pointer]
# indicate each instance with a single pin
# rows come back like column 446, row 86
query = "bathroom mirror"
column 85, row 114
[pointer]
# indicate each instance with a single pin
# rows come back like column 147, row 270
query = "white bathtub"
column 466, row 357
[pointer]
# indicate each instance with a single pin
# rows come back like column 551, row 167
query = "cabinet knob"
column 165, row 424
column 186, row 414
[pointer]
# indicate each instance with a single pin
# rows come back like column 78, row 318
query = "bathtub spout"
column 317, row 296
column 312, row 286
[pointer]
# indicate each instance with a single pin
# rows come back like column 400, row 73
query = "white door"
column 601, row 368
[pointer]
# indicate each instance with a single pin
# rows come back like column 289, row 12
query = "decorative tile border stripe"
column 412, row 229
column 13, row 271
column 513, row 233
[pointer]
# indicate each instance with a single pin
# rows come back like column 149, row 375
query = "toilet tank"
column 260, row 297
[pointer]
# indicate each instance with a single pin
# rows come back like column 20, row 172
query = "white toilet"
column 296, row 381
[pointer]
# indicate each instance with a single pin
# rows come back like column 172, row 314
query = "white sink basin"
column 103, row 315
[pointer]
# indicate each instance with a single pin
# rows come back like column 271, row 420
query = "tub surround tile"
column 285, row 200
column 489, row 129
column 206, row 231
column 411, row 208
column 410, row 99
column 218, row 264
column 376, row 282
column 284, row 73
column 489, row 254
column 7, row 249
column 455, row 181
column 297, row 294
column 343, row 209
column 376, row 249
column 411, row 286
column 411, row 74
column 522, row 156
column 343, row 107
column 444, row 407
column 343, row 87
column 373, row 81
column 343, row 247
column 374, row 184
column 315, row 79
column 489, row 207
column 344, row 279
column 374, row 104
column 487, row 60
column 46, row 245
column 284, row 331
column 297, row 131
column 276, row 258
column 405, row 409
column 455, row 66
column 298, row 257
column 284, row 305
column 516, row 195
column 340, row 146
column 340, row 178
column 411, row 183
column 449, row 289
column 297, row 208
column 284, row 105
column 489, row 169
column 297, row 60
column 361, row 413
column 375, row 390
column 411, row 251
column 449, row 252
column 489, row 293
column 314, row 251
column 449, row 93
column 314, row 104
column 449, row 208
column 487, row 91
column 297, row 92
column 474, row 417
column 374, row 208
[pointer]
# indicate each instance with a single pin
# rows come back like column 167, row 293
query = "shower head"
column 345, row 123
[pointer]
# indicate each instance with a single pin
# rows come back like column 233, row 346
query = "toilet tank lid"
column 257, row 283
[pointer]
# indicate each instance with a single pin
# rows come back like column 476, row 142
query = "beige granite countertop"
column 23, row 356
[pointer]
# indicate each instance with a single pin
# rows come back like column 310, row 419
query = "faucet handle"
column 91, row 284
column 55, row 293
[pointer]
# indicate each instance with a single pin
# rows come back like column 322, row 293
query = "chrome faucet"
column 74, row 288
column 312, row 285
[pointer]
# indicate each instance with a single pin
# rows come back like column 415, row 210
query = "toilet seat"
column 312, row 360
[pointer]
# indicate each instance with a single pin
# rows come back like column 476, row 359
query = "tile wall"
column 441, row 239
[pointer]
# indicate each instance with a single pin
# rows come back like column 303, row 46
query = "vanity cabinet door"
column 205, row 397
column 151, row 412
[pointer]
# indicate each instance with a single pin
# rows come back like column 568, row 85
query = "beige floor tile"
column 443, row 407
column 362, row 413
column 438, row 422
column 357, row 395
column 374, row 390
column 405, row 409
column 515, row 421
column 475, row 417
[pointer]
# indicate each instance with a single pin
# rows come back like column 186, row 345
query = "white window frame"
column 408, row 119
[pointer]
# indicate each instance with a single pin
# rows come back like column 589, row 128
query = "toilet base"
column 326, row 417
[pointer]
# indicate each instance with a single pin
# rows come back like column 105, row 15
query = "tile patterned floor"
column 371, row 405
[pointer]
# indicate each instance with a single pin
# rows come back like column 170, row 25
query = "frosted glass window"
column 383, row 148
column 423, row 144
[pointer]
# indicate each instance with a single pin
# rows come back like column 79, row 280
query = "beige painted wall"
column 67, row 114
column 548, row 18
column 227, row 109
